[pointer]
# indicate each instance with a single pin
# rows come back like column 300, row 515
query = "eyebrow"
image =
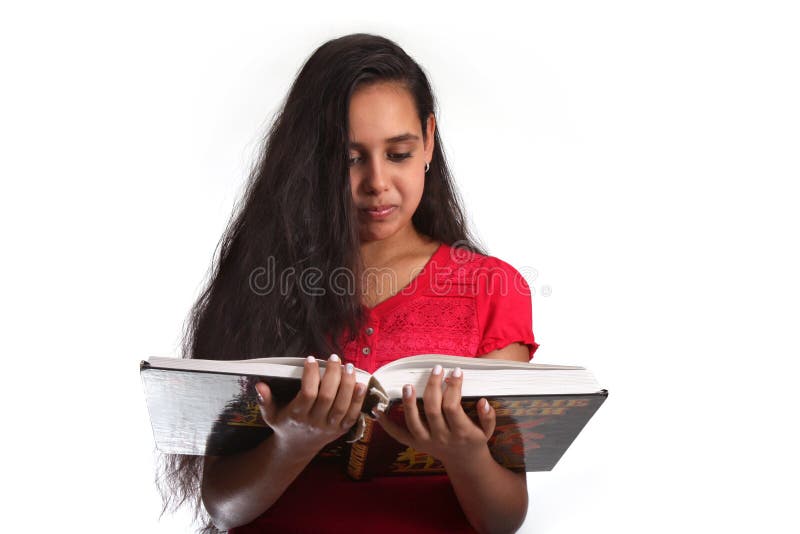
column 396, row 139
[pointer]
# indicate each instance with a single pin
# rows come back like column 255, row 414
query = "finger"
column 393, row 429
column 487, row 417
column 265, row 404
column 343, row 396
column 309, row 385
column 455, row 417
column 356, row 402
column 432, row 397
column 414, row 422
column 328, row 387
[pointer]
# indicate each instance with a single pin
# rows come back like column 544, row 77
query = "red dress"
column 462, row 304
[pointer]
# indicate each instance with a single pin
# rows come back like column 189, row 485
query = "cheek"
column 417, row 186
column 353, row 181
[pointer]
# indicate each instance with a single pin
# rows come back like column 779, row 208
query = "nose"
column 377, row 176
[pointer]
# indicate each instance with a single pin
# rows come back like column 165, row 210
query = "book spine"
column 358, row 452
column 376, row 397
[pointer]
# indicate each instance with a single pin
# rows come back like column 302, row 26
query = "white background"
column 642, row 157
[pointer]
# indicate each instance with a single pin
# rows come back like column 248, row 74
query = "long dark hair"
column 297, row 216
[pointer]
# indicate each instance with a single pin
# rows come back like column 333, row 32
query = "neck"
column 384, row 251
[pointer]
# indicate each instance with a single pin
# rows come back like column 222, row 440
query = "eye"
column 396, row 157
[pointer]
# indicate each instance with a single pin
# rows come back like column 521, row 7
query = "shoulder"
column 503, row 305
column 486, row 274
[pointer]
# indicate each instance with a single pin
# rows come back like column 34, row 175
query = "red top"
column 462, row 304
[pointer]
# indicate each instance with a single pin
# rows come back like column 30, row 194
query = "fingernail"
column 374, row 412
column 348, row 368
column 259, row 397
column 360, row 389
column 311, row 359
column 457, row 372
column 333, row 358
column 437, row 370
column 486, row 407
column 407, row 391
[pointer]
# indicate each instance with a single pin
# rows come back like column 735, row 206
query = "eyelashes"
column 396, row 157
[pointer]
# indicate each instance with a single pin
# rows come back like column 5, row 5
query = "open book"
column 209, row 407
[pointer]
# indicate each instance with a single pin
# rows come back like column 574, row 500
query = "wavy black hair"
column 297, row 215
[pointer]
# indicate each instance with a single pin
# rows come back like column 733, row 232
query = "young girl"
column 353, row 188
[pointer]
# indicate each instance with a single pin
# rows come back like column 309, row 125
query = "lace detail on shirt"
column 430, row 325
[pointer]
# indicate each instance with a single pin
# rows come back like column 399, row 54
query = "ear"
column 430, row 128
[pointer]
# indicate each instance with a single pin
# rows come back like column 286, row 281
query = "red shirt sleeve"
column 504, row 307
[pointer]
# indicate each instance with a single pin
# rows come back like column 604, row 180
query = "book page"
column 484, row 377
column 287, row 367
column 426, row 361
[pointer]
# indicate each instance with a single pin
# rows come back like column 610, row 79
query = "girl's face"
column 387, row 159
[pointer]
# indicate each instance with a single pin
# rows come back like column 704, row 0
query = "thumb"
column 265, row 404
column 487, row 417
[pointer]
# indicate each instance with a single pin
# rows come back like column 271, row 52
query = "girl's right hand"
column 321, row 411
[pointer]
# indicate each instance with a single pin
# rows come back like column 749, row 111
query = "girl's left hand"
column 449, row 435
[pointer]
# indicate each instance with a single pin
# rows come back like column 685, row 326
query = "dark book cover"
column 531, row 434
column 211, row 413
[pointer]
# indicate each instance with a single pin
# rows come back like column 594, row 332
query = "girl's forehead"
column 382, row 113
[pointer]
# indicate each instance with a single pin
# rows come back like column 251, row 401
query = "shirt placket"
column 368, row 340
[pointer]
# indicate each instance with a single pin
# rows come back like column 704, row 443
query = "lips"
column 378, row 208
column 378, row 212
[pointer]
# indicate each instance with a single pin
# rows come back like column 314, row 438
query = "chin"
column 377, row 234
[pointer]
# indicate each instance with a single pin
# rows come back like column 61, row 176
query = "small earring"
column 427, row 166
